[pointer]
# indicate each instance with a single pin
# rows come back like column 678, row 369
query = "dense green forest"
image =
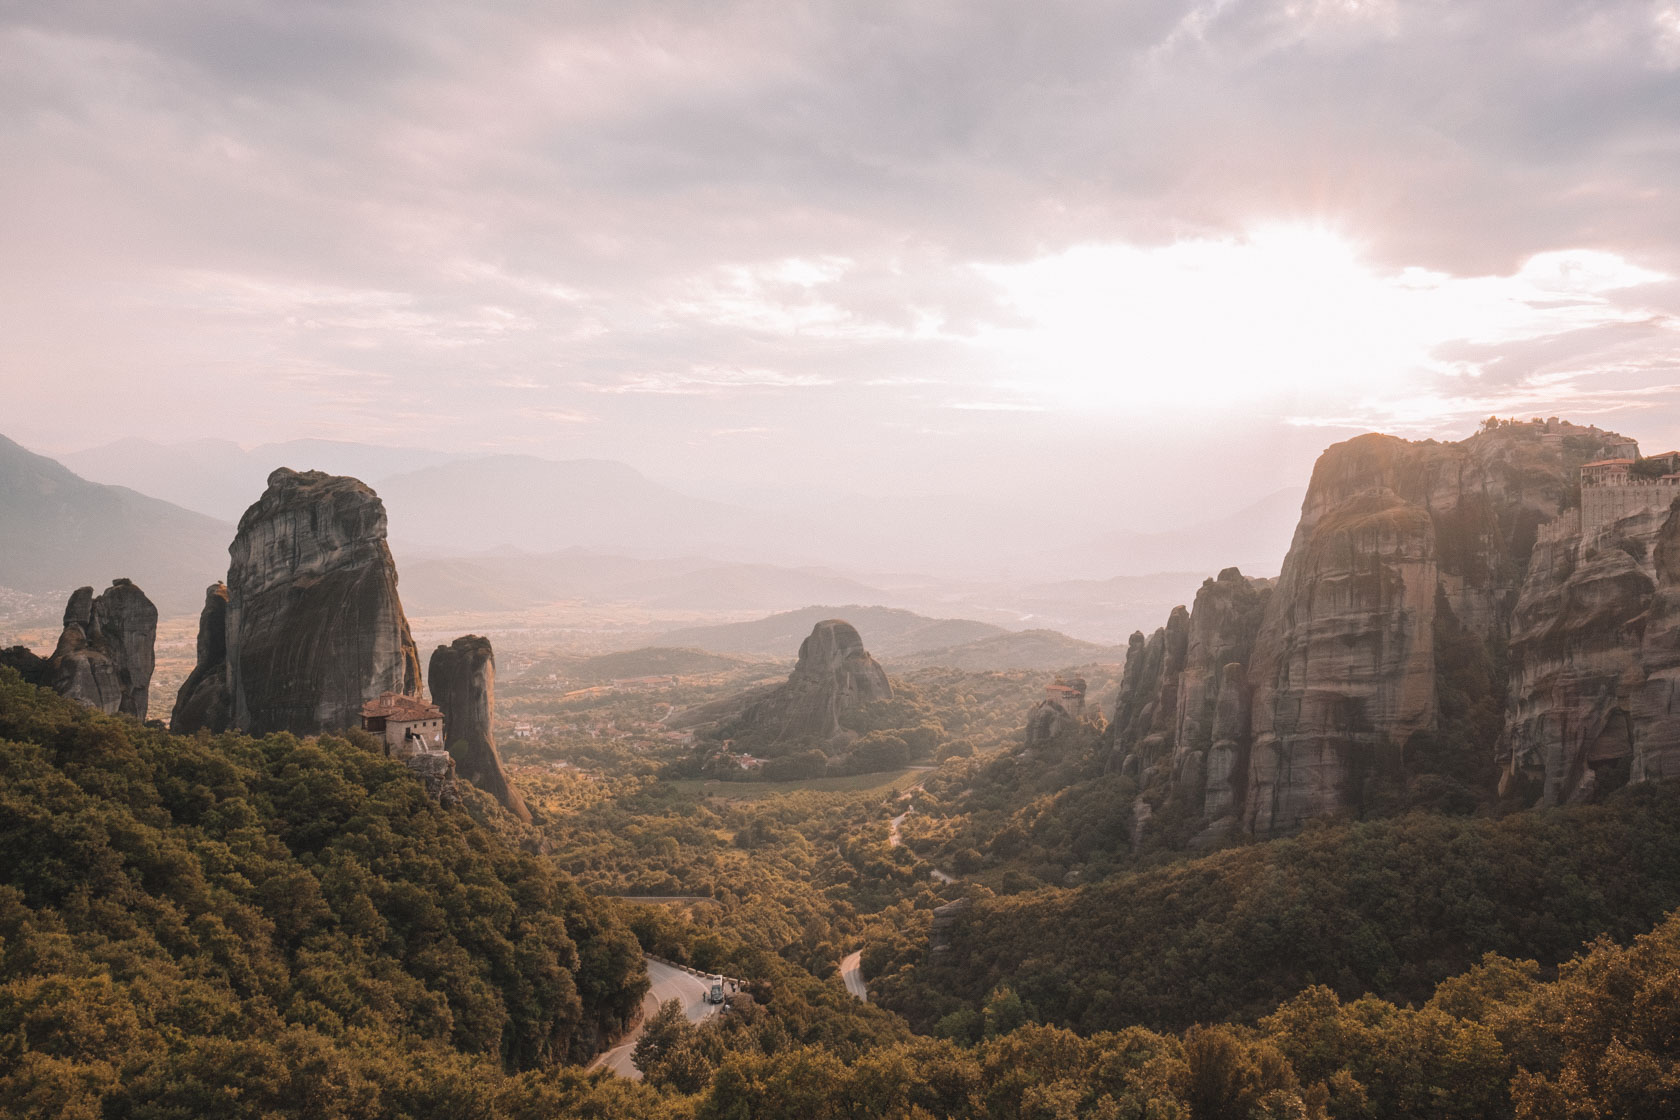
column 1391, row 907
column 194, row 920
column 227, row 926
column 798, row 873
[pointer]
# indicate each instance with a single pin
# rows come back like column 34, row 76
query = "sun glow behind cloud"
column 1289, row 316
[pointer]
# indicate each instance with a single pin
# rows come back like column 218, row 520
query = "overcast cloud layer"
column 846, row 247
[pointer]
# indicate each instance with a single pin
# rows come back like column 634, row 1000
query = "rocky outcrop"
column 436, row 771
column 1058, row 713
column 1180, row 724
column 313, row 626
column 1656, row 710
column 945, row 919
column 1595, row 654
column 1400, row 545
column 105, row 654
column 202, row 701
column 463, row 681
column 834, row 677
column 1433, row 593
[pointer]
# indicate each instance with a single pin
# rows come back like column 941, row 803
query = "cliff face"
column 1182, row 694
column 105, row 655
column 1397, row 540
column 203, row 700
column 834, row 676
column 312, row 626
column 1656, row 710
column 1376, row 669
column 463, row 681
column 1595, row 654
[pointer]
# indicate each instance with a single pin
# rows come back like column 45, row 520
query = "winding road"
column 668, row 983
column 851, row 971
column 894, row 840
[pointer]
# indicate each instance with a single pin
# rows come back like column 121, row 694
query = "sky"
column 1140, row 260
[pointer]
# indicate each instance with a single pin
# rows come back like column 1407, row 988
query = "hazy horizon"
column 1075, row 266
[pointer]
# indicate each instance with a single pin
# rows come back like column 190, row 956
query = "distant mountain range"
column 58, row 531
column 219, row 478
column 513, row 532
column 448, row 504
column 887, row 632
column 1253, row 538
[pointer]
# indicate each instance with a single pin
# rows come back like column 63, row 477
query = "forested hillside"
column 1391, row 907
column 224, row 925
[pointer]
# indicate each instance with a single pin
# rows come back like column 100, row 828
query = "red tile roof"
column 394, row 705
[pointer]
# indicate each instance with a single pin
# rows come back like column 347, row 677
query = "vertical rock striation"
column 312, row 626
column 835, row 675
column 202, row 701
column 1656, row 710
column 105, row 654
column 1595, row 651
column 1180, row 692
column 463, row 676
column 1441, row 623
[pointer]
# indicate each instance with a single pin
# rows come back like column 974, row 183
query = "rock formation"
column 313, row 626
column 1181, row 719
column 463, row 677
column 945, row 919
column 202, row 701
column 1059, row 711
column 834, row 676
column 1656, row 711
column 105, row 654
column 436, row 771
column 1434, row 594
column 1595, row 655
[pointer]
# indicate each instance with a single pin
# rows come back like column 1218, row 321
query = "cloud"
column 675, row 218
column 711, row 381
column 996, row 406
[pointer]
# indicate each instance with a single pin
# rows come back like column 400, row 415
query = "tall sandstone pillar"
column 313, row 626
column 463, row 676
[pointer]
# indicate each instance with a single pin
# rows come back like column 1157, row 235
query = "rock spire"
column 463, row 682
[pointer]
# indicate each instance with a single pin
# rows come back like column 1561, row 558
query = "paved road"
column 895, row 840
column 668, row 983
column 700, row 899
column 851, row 971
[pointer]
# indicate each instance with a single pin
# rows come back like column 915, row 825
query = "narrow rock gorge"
column 463, row 684
column 1444, row 631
